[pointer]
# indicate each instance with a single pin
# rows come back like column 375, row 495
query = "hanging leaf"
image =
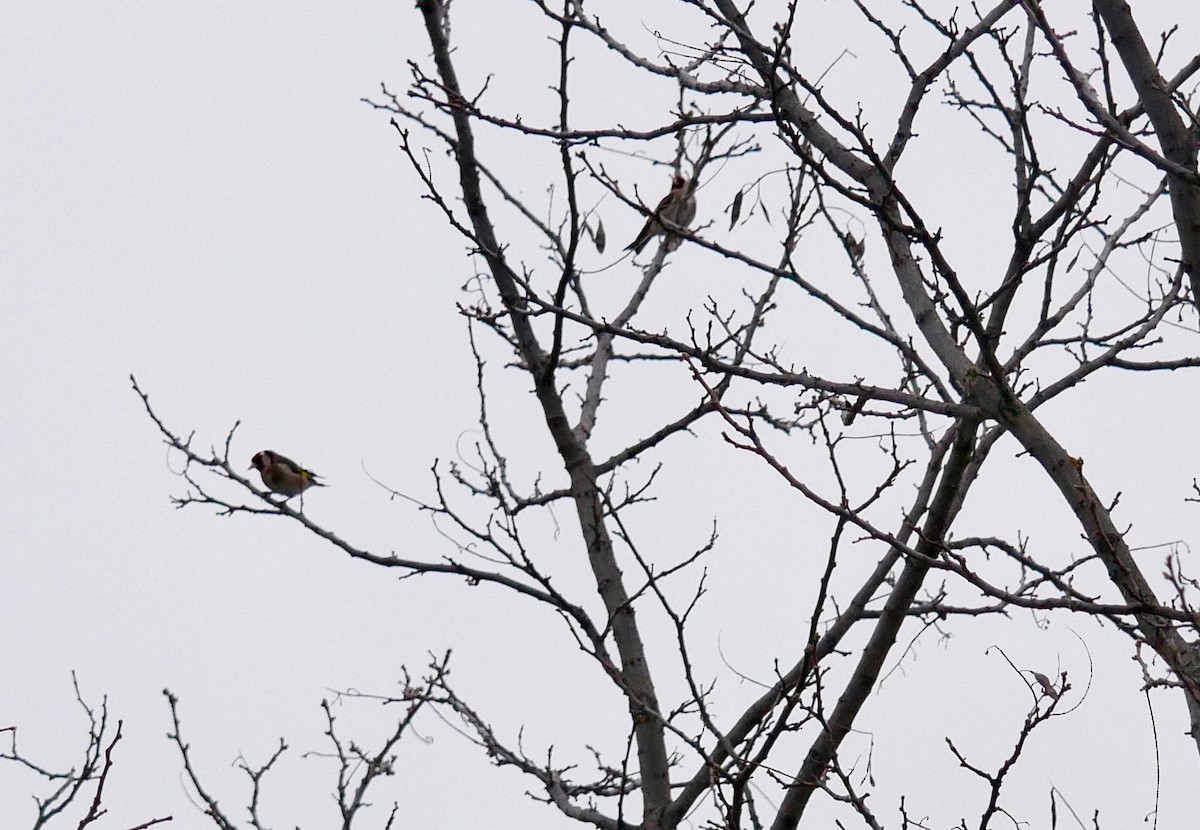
column 598, row 237
column 735, row 210
column 1074, row 259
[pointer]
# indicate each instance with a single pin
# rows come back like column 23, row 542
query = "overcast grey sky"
column 193, row 193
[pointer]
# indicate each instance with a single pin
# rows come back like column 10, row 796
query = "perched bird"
column 283, row 475
column 675, row 211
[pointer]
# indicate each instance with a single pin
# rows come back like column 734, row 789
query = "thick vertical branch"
column 1109, row 543
column 945, row 506
column 879, row 187
column 564, row 151
column 1177, row 141
column 634, row 674
column 604, row 349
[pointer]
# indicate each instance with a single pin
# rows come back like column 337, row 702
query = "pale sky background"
column 194, row 194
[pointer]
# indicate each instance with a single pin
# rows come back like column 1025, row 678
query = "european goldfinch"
column 676, row 211
column 283, row 475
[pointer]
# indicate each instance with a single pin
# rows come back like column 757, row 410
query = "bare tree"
column 970, row 324
column 79, row 788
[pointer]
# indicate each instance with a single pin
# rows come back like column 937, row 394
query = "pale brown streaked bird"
column 676, row 211
column 282, row 475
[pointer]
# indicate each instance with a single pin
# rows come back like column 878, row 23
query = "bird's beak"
column 251, row 467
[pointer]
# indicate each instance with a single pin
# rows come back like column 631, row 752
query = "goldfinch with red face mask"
column 282, row 475
column 676, row 211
